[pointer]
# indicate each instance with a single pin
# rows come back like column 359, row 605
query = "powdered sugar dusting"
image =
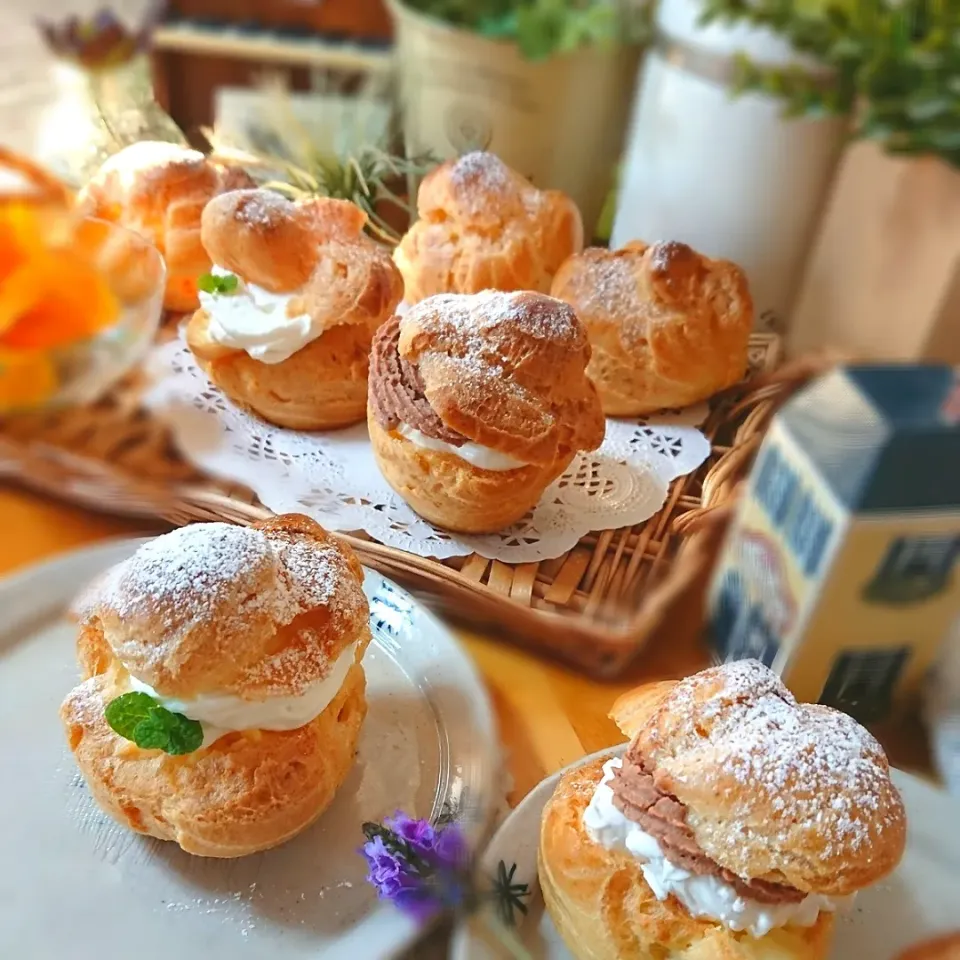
column 814, row 765
column 190, row 571
column 480, row 317
column 233, row 573
column 263, row 208
column 317, row 576
column 481, row 171
column 607, row 287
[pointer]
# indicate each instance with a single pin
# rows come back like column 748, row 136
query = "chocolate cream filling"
column 396, row 390
column 638, row 797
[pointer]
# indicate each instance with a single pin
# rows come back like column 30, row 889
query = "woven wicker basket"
column 594, row 607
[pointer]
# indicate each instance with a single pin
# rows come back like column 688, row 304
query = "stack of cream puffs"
column 735, row 826
column 223, row 691
column 288, row 312
column 477, row 403
column 483, row 226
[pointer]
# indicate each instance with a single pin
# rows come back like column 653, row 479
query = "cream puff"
column 289, row 310
column 159, row 190
column 223, row 691
column 482, row 226
column 668, row 326
column 478, row 403
column 736, row 824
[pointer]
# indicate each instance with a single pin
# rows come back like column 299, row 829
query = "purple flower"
column 385, row 867
column 419, row 868
column 418, row 833
column 101, row 40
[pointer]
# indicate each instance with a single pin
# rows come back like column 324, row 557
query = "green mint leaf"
column 216, row 283
column 139, row 718
column 125, row 712
column 170, row 732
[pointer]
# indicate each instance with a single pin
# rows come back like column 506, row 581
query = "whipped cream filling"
column 252, row 319
column 223, row 713
column 477, row 455
column 703, row 896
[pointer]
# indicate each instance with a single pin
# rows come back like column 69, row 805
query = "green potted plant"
column 545, row 84
column 883, row 278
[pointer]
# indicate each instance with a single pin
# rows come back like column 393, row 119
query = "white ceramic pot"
column 729, row 176
column 559, row 122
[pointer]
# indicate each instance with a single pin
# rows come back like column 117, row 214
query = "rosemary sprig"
column 361, row 178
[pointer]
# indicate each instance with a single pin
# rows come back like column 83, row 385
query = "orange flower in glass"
column 53, row 293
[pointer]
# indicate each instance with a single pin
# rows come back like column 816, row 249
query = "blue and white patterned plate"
column 428, row 747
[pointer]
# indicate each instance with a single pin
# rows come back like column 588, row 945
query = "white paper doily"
column 333, row 477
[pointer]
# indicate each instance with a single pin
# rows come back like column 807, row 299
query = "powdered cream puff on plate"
column 223, row 690
column 478, row 403
column 482, row 226
column 736, row 825
column 288, row 313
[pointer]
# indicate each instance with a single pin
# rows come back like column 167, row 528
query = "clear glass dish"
column 87, row 369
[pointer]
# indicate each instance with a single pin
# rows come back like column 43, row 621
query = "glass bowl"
column 87, row 369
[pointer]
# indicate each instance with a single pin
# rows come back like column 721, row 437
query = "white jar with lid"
column 729, row 176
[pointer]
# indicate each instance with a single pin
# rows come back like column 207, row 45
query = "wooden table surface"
column 548, row 715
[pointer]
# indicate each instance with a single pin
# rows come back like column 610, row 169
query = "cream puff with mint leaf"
column 223, row 690
column 289, row 309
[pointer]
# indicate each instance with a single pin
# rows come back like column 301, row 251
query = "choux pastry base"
column 244, row 793
column 452, row 493
column 321, row 387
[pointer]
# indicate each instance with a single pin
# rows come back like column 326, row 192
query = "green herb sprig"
column 363, row 178
column 895, row 64
column 218, row 283
column 140, row 718
column 545, row 28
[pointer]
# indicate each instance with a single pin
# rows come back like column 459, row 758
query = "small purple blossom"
column 420, row 834
column 421, row 869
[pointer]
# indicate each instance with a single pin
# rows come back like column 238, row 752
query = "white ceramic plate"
column 74, row 884
column 918, row 901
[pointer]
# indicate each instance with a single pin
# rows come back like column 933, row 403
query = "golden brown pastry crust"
column 483, row 226
column 668, row 327
column 604, row 909
column 321, row 387
column 946, row 947
column 281, row 600
column 245, row 792
column 452, row 493
column 264, row 612
column 506, row 370
column 348, row 285
column 159, row 190
column 789, row 793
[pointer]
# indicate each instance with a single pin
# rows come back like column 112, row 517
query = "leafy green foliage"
column 140, row 718
column 544, row 28
column 896, row 65
column 213, row 283
column 364, row 178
